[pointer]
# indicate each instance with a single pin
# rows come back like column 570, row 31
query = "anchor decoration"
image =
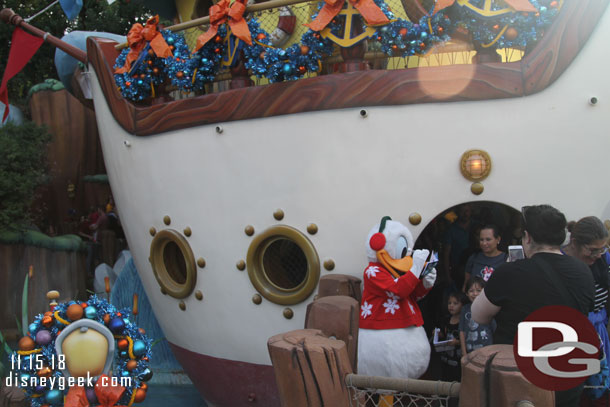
column 351, row 14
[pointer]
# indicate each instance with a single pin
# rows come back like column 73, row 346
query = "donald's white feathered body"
column 392, row 341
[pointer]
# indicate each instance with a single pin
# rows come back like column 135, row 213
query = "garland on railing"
column 397, row 37
column 507, row 30
column 149, row 71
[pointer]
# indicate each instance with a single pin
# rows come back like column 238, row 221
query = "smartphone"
column 515, row 253
column 430, row 264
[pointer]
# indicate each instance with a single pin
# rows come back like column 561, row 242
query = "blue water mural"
column 169, row 383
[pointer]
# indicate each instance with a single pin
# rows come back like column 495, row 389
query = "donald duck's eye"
column 402, row 247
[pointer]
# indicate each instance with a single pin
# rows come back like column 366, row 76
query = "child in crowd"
column 449, row 330
column 472, row 335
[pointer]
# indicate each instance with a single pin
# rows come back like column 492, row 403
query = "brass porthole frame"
column 163, row 277
column 263, row 284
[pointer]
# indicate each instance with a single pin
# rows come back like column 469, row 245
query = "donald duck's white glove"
column 419, row 260
column 429, row 279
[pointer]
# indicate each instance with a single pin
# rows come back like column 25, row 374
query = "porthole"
column 173, row 263
column 283, row 265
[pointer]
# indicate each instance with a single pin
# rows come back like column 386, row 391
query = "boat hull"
column 341, row 170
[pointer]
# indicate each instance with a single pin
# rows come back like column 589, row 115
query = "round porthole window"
column 283, row 265
column 173, row 263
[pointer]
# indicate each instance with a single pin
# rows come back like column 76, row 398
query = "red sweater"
column 388, row 302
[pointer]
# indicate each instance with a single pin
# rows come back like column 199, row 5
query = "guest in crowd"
column 483, row 263
column 474, row 335
column 545, row 277
column 588, row 243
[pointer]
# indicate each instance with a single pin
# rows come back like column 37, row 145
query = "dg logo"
column 557, row 348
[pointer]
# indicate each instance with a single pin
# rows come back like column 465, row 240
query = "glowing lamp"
column 475, row 165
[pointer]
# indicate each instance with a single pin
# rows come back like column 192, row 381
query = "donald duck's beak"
column 393, row 265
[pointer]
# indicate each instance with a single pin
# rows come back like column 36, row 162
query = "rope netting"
column 371, row 391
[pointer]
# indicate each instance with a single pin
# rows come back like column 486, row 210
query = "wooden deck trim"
column 539, row 69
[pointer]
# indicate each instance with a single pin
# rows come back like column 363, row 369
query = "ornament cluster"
column 37, row 355
column 187, row 72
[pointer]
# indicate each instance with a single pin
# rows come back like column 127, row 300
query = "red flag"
column 23, row 48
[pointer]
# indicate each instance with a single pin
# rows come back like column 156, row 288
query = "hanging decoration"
column 43, row 374
column 153, row 57
column 205, row 62
column 505, row 23
column 277, row 64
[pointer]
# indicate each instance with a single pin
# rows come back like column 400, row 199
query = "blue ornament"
column 287, row 69
column 126, row 321
column 116, row 325
column 32, row 327
column 91, row 312
column 25, row 376
column 40, row 389
column 54, row 396
column 124, row 373
column 146, row 375
column 139, row 348
column 123, row 354
column 170, row 40
column 423, row 35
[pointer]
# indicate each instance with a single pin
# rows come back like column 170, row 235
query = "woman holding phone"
column 484, row 263
column 589, row 244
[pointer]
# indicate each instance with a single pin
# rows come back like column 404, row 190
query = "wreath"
column 37, row 358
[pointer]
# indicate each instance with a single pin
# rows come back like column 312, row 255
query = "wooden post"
column 491, row 378
column 340, row 284
column 310, row 369
column 336, row 316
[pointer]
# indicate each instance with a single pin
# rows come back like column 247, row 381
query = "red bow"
column 139, row 36
column 222, row 12
column 107, row 396
column 367, row 8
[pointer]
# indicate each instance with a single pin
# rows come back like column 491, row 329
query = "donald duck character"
column 391, row 339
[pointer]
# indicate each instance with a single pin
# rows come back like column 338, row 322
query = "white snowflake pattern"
column 392, row 296
column 372, row 271
column 391, row 306
column 366, row 309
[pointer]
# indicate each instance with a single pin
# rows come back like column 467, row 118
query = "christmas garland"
column 508, row 30
column 150, row 71
column 37, row 356
column 399, row 38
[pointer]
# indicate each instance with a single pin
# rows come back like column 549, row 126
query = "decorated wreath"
column 66, row 356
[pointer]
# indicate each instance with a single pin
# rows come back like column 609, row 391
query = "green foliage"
column 22, row 170
column 96, row 15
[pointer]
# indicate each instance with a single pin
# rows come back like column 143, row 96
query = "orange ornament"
column 122, row 344
column 131, row 364
column 440, row 29
column 394, row 47
column 155, row 72
column 144, row 386
column 140, row 395
column 118, row 314
column 403, row 32
column 511, row 34
column 302, row 70
column 304, row 49
column 218, row 39
column 84, row 305
column 106, row 317
column 171, row 47
column 141, row 330
column 496, row 27
column 145, row 358
column 422, row 45
column 74, row 312
column 128, row 83
column 553, row 4
column 149, row 62
column 46, row 321
column 151, row 52
column 261, row 36
column 45, row 372
column 26, row 343
column 179, row 74
column 262, row 55
column 48, row 313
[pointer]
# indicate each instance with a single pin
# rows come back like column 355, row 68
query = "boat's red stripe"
column 227, row 383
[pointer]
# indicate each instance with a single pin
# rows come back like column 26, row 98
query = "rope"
column 27, row 20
